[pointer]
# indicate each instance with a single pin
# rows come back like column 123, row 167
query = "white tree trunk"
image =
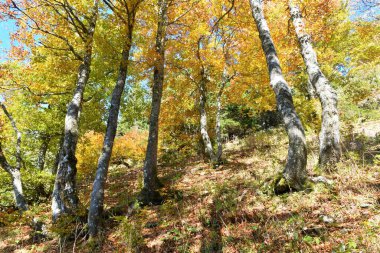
column 329, row 138
column 15, row 175
column 295, row 168
column 65, row 198
column 14, row 171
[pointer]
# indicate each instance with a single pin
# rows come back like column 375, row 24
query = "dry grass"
column 230, row 209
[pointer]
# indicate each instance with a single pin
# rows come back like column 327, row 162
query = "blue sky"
column 6, row 27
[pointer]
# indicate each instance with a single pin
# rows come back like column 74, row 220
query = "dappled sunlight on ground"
column 232, row 208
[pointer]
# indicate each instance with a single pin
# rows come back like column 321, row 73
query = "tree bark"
column 202, row 88
column 65, row 198
column 149, row 194
column 218, row 130
column 295, row 168
column 329, row 138
column 15, row 174
column 97, row 195
column 58, row 155
column 42, row 152
column 14, row 171
column 203, row 119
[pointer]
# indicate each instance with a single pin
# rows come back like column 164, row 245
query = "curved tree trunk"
column 65, row 198
column 149, row 193
column 295, row 168
column 14, row 171
column 97, row 194
column 329, row 138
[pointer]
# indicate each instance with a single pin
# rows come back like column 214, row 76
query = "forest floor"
column 232, row 208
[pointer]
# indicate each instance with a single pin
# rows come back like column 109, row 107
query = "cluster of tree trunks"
column 65, row 199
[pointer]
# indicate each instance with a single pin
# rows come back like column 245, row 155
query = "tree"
column 225, row 80
column 204, row 79
column 65, row 197
column 295, row 168
column 329, row 138
column 14, row 171
column 149, row 193
column 97, row 195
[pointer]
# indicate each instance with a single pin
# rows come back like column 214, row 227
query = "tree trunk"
column 149, row 193
column 65, row 198
column 58, row 155
column 17, row 189
column 97, row 195
column 14, row 172
column 209, row 150
column 42, row 152
column 203, row 119
column 218, row 129
column 295, row 168
column 329, row 138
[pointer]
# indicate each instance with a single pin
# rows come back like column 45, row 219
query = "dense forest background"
column 190, row 126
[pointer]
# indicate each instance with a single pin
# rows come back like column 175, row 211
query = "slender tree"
column 214, row 156
column 14, row 171
column 295, row 168
column 65, row 197
column 202, row 87
column 77, row 27
column 97, row 195
column 226, row 79
column 329, row 138
column 149, row 194
column 218, row 129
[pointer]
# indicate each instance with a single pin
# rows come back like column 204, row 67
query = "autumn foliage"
column 129, row 149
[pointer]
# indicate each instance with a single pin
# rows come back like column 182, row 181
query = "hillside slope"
column 232, row 208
